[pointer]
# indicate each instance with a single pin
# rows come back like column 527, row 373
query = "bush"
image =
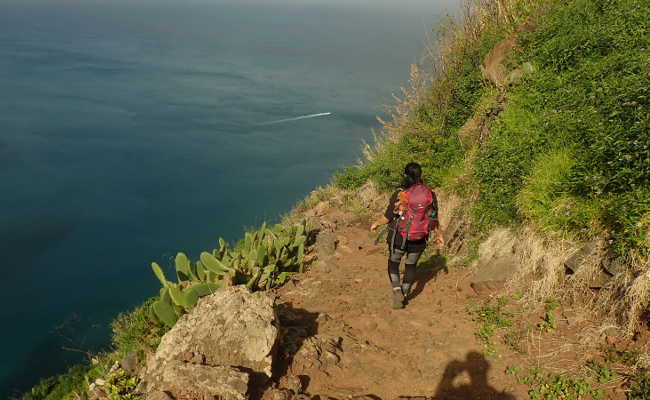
column 351, row 178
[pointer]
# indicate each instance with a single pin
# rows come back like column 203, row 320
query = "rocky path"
column 342, row 338
column 331, row 334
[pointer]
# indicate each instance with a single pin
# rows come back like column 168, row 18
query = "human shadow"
column 426, row 271
column 477, row 368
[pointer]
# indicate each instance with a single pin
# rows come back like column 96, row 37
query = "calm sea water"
column 129, row 132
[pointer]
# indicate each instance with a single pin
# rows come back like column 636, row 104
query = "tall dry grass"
column 621, row 301
column 431, row 81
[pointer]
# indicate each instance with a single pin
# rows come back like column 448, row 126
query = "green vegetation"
column 490, row 318
column 548, row 322
column 136, row 332
column 626, row 357
column 603, row 373
column 65, row 386
column 263, row 259
column 640, row 388
column 499, row 315
column 430, row 124
column 589, row 382
column 121, row 386
column 551, row 386
column 570, row 153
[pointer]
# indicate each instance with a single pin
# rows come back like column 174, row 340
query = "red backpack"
column 413, row 224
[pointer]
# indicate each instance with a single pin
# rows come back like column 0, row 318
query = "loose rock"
column 159, row 396
column 326, row 245
column 185, row 381
column 573, row 263
column 496, row 263
column 130, row 363
column 293, row 383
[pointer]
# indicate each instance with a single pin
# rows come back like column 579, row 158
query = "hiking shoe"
column 398, row 298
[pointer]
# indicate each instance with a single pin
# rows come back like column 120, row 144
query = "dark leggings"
column 393, row 269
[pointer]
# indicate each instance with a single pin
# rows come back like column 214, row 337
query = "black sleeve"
column 389, row 214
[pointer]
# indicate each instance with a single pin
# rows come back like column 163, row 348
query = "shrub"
column 136, row 332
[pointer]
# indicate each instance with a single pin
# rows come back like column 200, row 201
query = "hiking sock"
column 405, row 289
column 408, row 279
column 393, row 274
column 398, row 298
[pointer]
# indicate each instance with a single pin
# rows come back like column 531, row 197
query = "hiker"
column 411, row 215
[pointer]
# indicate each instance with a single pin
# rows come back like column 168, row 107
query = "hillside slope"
column 537, row 115
column 533, row 123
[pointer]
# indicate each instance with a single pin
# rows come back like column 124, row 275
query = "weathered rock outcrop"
column 496, row 263
column 226, row 341
column 192, row 381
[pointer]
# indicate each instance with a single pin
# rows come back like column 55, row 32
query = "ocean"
column 130, row 131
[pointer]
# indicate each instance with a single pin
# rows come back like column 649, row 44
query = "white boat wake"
column 279, row 121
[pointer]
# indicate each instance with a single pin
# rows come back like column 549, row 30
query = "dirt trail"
column 343, row 339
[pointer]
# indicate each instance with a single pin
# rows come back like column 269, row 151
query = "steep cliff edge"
column 532, row 125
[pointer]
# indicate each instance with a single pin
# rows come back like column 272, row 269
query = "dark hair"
column 412, row 174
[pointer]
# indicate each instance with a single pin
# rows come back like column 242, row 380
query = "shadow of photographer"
column 477, row 367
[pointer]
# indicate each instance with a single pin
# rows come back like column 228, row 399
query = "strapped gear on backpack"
column 415, row 211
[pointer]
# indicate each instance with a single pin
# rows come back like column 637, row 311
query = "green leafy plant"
column 490, row 318
column 550, row 386
column 513, row 339
column 569, row 152
column 121, row 386
column 603, row 373
column 626, row 357
column 551, row 304
column 512, row 370
column 263, row 259
column 640, row 387
column 548, row 322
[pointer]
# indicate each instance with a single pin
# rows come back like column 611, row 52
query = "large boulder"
column 232, row 328
column 497, row 262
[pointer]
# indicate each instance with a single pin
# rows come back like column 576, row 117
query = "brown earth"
column 341, row 338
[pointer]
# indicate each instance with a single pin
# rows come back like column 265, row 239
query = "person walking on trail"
column 411, row 215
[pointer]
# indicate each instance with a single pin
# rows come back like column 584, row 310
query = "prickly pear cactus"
column 159, row 274
column 183, row 271
column 212, row 264
column 261, row 259
column 164, row 310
